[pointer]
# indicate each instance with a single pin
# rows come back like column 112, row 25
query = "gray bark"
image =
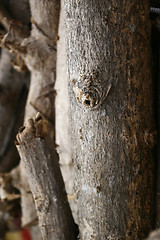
column 45, row 180
column 108, row 53
column 63, row 140
column 40, row 58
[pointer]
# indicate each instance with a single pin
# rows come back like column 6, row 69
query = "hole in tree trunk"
column 87, row 102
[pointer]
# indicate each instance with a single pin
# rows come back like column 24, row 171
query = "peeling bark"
column 45, row 180
column 108, row 53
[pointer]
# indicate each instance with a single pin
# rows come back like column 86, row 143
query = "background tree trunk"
column 13, row 92
column 41, row 61
column 63, row 140
column 108, row 54
column 13, row 86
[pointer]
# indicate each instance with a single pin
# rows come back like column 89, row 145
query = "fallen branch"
column 46, row 183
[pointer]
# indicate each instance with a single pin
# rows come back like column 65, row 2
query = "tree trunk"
column 108, row 53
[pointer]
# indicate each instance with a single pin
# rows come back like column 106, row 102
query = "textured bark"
column 40, row 58
column 62, row 117
column 108, row 51
column 45, row 180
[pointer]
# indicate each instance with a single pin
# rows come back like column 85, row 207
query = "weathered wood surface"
column 40, row 58
column 110, row 88
column 63, row 131
column 45, row 180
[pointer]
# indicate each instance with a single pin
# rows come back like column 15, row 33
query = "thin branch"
column 41, row 164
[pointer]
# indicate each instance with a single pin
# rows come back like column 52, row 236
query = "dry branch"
column 41, row 61
column 46, row 183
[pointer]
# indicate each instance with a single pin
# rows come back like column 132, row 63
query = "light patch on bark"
column 63, row 140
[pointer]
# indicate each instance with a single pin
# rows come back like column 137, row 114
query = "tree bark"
column 108, row 54
column 45, row 180
column 62, row 126
column 40, row 58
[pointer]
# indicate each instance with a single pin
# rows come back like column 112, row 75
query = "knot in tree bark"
column 90, row 90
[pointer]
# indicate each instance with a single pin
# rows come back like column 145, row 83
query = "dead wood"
column 40, row 160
